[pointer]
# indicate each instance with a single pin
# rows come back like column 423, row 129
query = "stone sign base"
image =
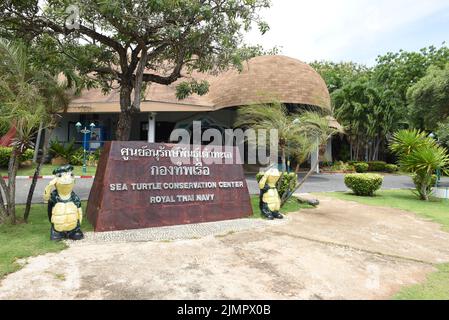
column 138, row 186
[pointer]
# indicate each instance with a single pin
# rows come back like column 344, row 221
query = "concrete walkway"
column 342, row 250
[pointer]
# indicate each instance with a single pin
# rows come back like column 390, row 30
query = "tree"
column 299, row 133
column 443, row 132
column 315, row 130
column 429, row 98
column 422, row 156
column 336, row 75
column 20, row 105
column 56, row 100
column 270, row 116
column 399, row 71
column 368, row 114
column 372, row 103
column 132, row 43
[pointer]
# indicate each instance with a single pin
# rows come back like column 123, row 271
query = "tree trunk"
column 36, row 174
column 139, row 79
column 424, row 195
column 3, row 212
column 298, row 185
column 12, row 173
column 4, row 202
column 283, row 159
column 38, row 141
column 376, row 152
column 298, row 166
column 123, row 132
column 351, row 151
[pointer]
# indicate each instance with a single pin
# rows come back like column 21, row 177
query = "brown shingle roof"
column 262, row 79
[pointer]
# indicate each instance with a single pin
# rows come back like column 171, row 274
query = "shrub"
column 5, row 154
column 97, row 153
column 326, row 164
column 27, row 155
column 76, row 159
column 288, row 182
column 77, row 156
column 58, row 149
column 341, row 166
column 361, row 167
column 4, row 128
column 363, row 184
column 391, row 168
column 377, row 166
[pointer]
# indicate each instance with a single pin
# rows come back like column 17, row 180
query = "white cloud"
column 326, row 29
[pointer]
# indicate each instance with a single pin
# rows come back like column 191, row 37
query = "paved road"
column 316, row 183
column 334, row 182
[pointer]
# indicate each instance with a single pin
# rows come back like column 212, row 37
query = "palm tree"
column 315, row 130
column 404, row 142
column 270, row 116
column 299, row 134
column 422, row 156
column 56, row 99
column 21, row 105
column 424, row 161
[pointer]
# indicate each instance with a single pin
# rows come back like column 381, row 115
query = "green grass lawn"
column 435, row 209
column 292, row 205
column 26, row 240
column 47, row 169
column 436, row 286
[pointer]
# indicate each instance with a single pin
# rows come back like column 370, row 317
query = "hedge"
column 363, row 184
column 5, row 154
column 377, row 166
column 361, row 167
column 391, row 168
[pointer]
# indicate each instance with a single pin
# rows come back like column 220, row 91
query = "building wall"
column 61, row 132
column 225, row 117
column 66, row 130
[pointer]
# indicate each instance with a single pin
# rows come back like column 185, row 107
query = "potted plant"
column 61, row 153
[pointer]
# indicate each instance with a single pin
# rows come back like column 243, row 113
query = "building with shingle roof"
column 263, row 79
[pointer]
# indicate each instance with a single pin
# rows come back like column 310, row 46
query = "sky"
column 352, row 30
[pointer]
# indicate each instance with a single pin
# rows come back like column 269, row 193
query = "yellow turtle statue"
column 64, row 206
column 270, row 202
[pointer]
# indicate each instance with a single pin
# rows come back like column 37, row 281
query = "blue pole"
column 84, row 151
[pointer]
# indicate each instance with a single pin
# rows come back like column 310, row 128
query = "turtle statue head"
column 272, row 174
column 64, row 180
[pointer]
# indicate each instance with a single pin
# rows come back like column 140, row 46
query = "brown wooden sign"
column 141, row 185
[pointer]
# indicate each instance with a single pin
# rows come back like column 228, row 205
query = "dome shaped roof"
column 267, row 78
